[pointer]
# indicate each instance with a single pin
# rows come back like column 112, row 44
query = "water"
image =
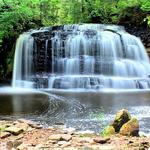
column 82, row 110
column 94, row 110
column 78, row 75
column 81, row 57
column 20, row 101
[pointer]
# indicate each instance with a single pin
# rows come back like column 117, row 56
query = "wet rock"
column 101, row 140
column 108, row 131
column 121, row 118
column 69, row 130
column 87, row 132
column 14, row 130
column 4, row 135
column 51, row 128
column 131, row 128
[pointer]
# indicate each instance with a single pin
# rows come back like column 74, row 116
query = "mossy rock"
column 2, row 127
column 131, row 128
column 108, row 131
column 121, row 118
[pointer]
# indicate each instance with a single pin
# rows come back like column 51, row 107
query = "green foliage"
column 17, row 16
column 14, row 17
column 146, row 7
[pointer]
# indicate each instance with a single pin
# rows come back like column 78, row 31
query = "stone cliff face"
column 143, row 32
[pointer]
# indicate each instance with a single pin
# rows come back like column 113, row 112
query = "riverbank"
column 23, row 134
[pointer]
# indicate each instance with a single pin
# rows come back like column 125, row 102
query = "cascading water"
column 86, row 56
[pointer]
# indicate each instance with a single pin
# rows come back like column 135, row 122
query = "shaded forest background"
column 18, row 16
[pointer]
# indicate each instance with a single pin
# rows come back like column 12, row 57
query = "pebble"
column 4, row 135
column 61, row 143
column 101, row 140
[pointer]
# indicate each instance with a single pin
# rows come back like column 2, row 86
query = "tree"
column 18, row 16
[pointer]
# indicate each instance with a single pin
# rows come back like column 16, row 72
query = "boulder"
column 131, row 128
column 108, row 131
column 121, row 118
column 14, row 130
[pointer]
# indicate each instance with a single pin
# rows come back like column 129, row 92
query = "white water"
column 23, row 61
column 84, row 56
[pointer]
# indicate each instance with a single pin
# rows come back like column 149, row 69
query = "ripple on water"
column 75, row 113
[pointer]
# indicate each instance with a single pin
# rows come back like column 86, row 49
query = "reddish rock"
column 101, row 140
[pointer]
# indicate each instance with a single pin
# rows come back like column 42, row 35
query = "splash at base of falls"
column 81, row 57
column 93, row 111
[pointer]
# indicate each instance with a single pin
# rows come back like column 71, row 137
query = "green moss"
column 131, row 128
column 108, row 131
column 121, row 118
column 2, row 127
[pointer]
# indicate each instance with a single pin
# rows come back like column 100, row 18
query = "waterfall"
column 23, row 61
column 85, row 56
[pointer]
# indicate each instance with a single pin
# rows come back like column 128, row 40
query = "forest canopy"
column 17, row 16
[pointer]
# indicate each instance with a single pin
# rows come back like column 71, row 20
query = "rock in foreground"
column 32, row 137
column 131, row 128
column 123, row 124
column 121, row 118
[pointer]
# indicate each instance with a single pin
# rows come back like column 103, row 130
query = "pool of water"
column 90, row 110
column 94, row 110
